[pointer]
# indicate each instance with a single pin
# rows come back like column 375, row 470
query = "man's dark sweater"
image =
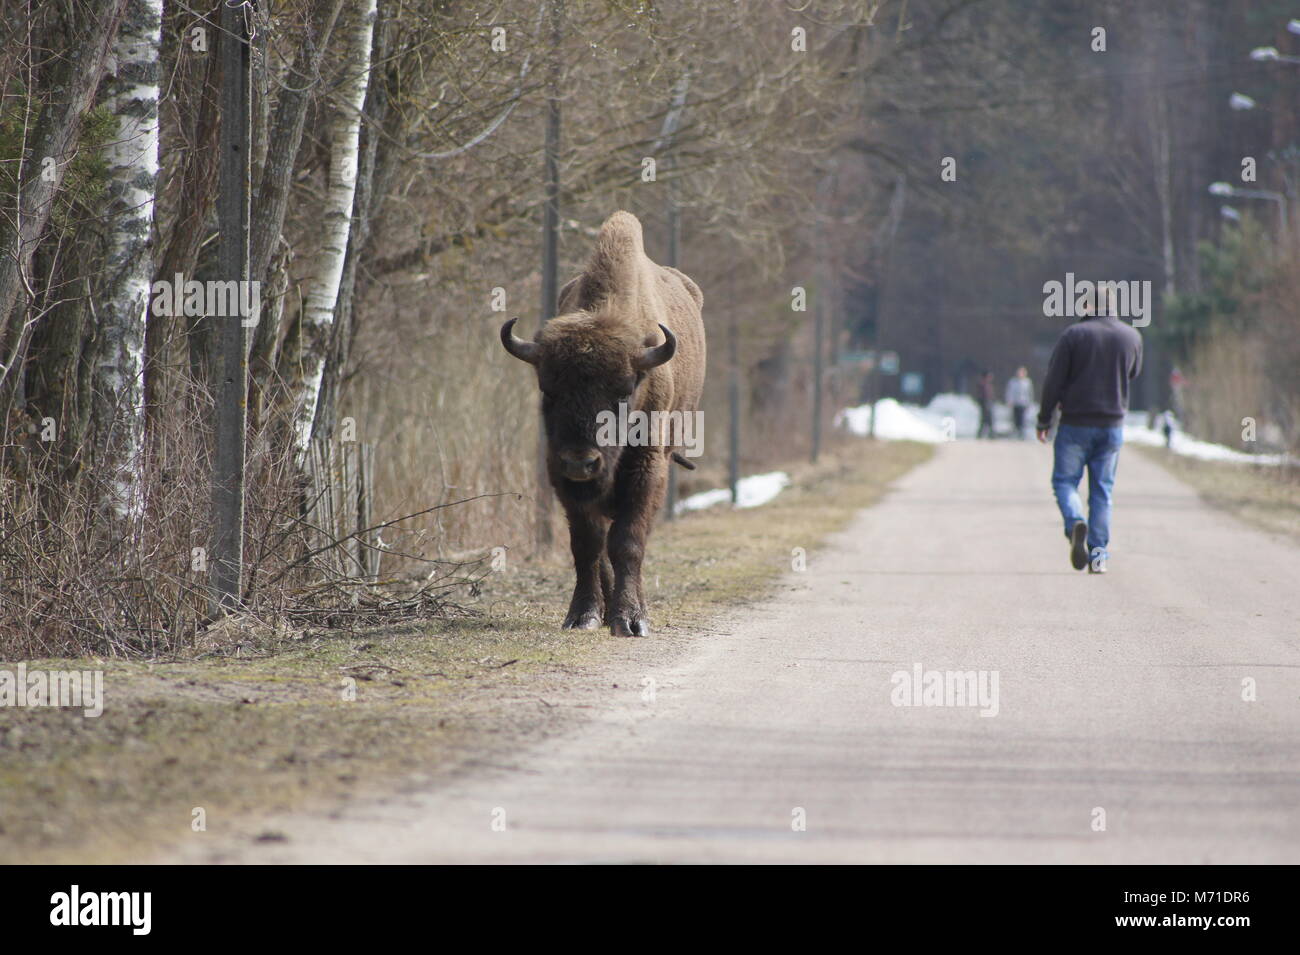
column 1089, row 372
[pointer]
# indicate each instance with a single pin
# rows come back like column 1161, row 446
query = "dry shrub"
column 1246, row 365
column 77, row 580
column 1279, row 341
column 1230, row 359
column 451, row 415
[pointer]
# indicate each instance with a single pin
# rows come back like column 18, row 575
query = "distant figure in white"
column 1167, row 425
column 1020, row 395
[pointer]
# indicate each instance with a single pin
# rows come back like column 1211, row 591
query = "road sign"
column 867, row 358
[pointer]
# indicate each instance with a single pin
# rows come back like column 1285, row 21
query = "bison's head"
column 585, row 367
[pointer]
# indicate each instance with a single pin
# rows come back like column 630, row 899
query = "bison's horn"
column 524, row 351
column 658, row 354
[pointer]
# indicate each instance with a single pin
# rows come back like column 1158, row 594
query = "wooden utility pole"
column 674, row 243
column 821, row 302
column 667, row 136
column 819, row 372
column 733, row 402
column 230, row 353
column 550, row 249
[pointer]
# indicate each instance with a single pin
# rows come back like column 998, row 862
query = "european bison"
column 629, row 332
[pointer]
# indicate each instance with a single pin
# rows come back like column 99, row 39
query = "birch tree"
column 131, row 93
column 336, row 223
column 272, row 199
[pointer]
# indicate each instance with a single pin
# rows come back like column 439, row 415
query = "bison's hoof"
column 588, row 620
column 630, row 627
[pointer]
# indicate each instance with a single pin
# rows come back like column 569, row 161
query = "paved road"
column 1120, row 694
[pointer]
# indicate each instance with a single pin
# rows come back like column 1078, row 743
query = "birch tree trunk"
column 272, row 201
column 131, row 93
column 318, row 311
column 383, row 126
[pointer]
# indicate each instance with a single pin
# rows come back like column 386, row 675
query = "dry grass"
column 1267, row 497
column 1233, row 363
column 258, row 723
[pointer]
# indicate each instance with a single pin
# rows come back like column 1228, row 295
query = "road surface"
column 1120, row 735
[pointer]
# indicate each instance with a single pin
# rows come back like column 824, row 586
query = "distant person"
column 984, row 395
column 1020, row 395
column 1088, row 376
column 1167, row 426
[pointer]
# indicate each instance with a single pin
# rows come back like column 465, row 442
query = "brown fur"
column 608, row 316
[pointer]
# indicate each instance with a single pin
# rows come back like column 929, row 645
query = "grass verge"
column 1267, row 497
column 270, row 723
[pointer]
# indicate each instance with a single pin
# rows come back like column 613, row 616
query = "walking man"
column 1020, row 395
column 1088, row 376
column 984, row 395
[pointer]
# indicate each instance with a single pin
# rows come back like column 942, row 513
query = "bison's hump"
column 620, row 238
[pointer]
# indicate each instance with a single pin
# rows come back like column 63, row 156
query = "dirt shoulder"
column 1266, row 497
column 267, row 724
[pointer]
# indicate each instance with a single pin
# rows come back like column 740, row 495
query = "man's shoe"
column 1079, row 545
column 1097, row 565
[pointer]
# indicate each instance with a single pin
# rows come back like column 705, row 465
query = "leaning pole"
column 231, row 355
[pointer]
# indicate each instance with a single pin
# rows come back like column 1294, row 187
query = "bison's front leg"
column 640, row 493
column 607, row 586
column 587, row 541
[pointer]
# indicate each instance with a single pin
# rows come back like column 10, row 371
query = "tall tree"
column 273, row 194
column 41, row 170
column 131, row 94
column 336, row 222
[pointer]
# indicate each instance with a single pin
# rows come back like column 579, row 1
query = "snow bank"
column 945, row 418
column 959, row 416
column 752, row 491
column 962, row 409
column 894, row 422
column 1191, row 447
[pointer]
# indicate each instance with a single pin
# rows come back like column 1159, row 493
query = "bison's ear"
column 658, row 354
column 524, row 351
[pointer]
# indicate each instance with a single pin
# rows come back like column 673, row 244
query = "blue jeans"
column 1097, row 449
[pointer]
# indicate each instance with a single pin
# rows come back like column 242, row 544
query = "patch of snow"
column 946, row 418
column 962, row 409
column 894, row 422
column 1193, row 448
column 753, row 491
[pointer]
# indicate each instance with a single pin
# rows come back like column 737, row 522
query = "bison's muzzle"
column 581, row 465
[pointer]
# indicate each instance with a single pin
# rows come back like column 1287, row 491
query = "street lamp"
column 1225, row 189
column 1263, row 54
column 1240, row 101
column 1230, row 213
column 1294, row 26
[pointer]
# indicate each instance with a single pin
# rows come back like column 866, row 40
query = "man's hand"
column 1042, row 434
